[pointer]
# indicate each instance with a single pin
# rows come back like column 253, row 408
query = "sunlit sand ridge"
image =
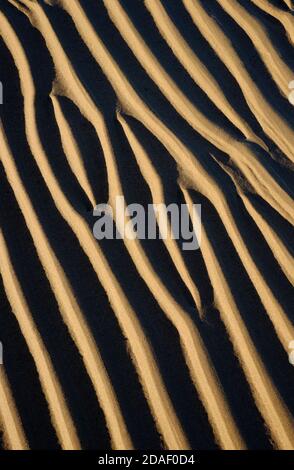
column 162, row 102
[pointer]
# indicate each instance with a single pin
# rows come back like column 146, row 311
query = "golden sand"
column 257, row 191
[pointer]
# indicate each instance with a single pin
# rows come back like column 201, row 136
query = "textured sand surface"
column 139, row 344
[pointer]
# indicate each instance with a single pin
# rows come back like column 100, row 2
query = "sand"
column 138, row 344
